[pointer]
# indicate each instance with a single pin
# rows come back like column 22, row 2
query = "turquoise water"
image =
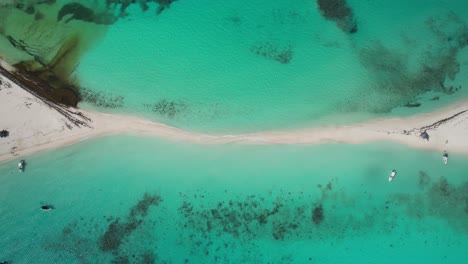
column 201, row 57
column 154, row 201
column 236, row 66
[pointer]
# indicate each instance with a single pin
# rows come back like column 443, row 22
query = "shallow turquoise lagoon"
column 140, row 200
column 259, row 65
column 237, row 66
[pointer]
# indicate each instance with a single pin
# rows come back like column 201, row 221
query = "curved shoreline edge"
column 35, row 125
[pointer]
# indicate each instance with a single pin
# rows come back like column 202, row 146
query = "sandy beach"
column 36, row 125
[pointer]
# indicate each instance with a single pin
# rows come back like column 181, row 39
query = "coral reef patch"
column 107, row 239
column 283, row 55
column 124, row 4
column 166, row 108
column 207, row 225
column 101, row 99
column 317, row 214
column 403, row 76
column 119, row 229
column 339, row 12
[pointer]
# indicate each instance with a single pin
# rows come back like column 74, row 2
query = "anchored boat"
column 21, row 165
column 47, row 207
column 392, row 175
column 445, row 157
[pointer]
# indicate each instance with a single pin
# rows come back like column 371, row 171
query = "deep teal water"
column 234, row 204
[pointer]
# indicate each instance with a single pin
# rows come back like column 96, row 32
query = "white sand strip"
column 34, row 126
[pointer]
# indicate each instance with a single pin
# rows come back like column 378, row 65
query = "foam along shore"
column 37, row 125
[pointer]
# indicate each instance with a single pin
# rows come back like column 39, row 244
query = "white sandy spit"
column 34, row 126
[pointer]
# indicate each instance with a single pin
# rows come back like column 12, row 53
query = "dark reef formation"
column 80, row 12
column 394, row 77
column 102, row 99
column 207, row 227
column 106, row 240
column 339, row 12
column 27, row 6
column 286, row 217
column 166, row 108
column 267, row 50
column 424, row 179
column 317, row 214
column 276, row 31
column 119, row 229
column 450, row 202
column 402, row 76
column 124, row 4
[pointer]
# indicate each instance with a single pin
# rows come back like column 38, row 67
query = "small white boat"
column 445, row 157
column 21, row 165
column 392, row 175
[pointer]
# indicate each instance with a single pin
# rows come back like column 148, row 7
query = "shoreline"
column 36, row 125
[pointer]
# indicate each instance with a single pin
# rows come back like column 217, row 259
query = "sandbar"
column 36, row 125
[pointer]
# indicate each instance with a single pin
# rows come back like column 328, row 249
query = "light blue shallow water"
column 234, row 204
